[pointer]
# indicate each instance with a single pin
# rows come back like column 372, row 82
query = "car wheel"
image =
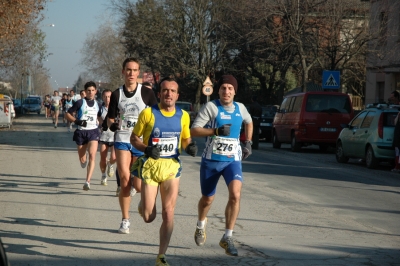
column 275, row 142
column 340, row 154
column 294, row 145
column 370, row 159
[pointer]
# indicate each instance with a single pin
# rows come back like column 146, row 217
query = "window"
column 297, row 104
column 283, row 105
column 388, row 120
column 358, row 120
column 328, row 103
column 290, row 104
column 368, row 120
column 383, row 21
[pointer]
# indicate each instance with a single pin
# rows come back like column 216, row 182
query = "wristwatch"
column 251, row 143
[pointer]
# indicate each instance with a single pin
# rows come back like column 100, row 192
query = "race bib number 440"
column 167, row 146
column 225, row 146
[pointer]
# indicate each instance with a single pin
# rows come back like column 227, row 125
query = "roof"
column 311, row 86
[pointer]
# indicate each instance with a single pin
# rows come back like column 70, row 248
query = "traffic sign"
column 207, row 81
column 330, row 79
column 207, row 90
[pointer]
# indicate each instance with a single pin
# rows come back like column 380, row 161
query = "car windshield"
column 31, row 101
column 16, row 101
column 269, row 111
column 328, row 103
column 184, row 106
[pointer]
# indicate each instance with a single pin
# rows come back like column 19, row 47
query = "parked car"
column 36, row 97
column 267, row 118
column 32, row 105
column 17, row 105
column 188, row 107
column 369, row 136
column 309, row 118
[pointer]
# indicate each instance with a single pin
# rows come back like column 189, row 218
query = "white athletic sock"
column 228, row 233
column 201, row 224
column 103, row 174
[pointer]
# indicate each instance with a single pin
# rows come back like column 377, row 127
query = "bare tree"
column 175, row 37
column 103, row 53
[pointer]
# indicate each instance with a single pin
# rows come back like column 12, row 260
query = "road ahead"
column 296, row 209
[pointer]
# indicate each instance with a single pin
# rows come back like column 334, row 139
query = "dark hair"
column 130, row 59
column 104, row 91
column 146, row 83
column 396, row 94
column 254, row 98
column 81, row 91
column 90, row 84
column 168, row 78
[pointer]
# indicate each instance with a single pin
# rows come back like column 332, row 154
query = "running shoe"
column 69, row 130
column 117, row 192
column 133, row 191
column 161, row 260
column 55, row 126
column 227, row 244
column 83, row 165
column 110, row 169
column 104, row 181
column 200, row 235
column 86, row 186
column 124, row 227
column 139, row 208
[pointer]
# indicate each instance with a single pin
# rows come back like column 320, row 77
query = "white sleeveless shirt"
column 129, row 110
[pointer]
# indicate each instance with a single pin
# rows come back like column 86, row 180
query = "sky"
column 72, row 20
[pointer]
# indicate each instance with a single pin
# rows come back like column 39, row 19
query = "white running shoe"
column 86, row 186
column 124, row 227
column 104, row 181
column 117, row 192
column 133, row 191
column 110, row 169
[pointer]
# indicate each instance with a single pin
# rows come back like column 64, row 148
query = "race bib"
column 128, row 122
column 167, row 146
column 225, row 146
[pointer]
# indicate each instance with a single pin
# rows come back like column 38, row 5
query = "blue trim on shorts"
column 211, row 171
column 128, row 147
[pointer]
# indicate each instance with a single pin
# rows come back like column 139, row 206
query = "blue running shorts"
column 128, row 147
column 211, row 171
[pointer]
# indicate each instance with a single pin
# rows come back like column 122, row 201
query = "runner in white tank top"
column 125, row 106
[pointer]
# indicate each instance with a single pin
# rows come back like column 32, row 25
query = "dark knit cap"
column 229, row 79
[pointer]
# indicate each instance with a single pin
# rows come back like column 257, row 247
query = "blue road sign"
column 330, row 79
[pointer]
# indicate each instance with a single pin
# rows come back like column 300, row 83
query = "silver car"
column 369, row 136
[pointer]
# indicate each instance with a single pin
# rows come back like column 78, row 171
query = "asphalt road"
column 296, row 209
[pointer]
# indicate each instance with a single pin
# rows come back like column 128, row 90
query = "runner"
column 106, row 140
column 125, row 106
column 68, row 104
column 220, row 122
column 87, row 135
column 55, row 107
column 47, row 105
column 165, row 129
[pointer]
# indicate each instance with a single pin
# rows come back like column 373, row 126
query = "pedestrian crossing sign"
column 330, row 79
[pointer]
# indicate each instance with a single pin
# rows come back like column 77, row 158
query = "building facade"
column 383, row 58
